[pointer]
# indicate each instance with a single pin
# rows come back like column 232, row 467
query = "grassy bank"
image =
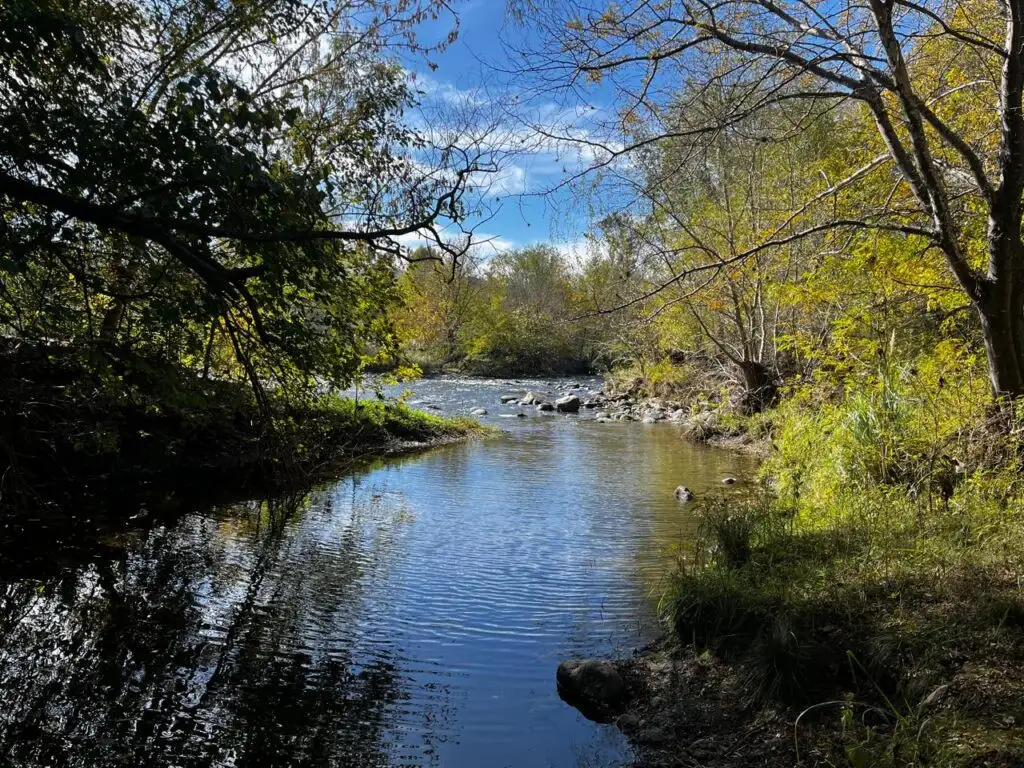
column 865, row 607
column 91, row 424
column 905, row 635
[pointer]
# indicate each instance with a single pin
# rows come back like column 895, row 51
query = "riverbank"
column 946, row 692
column 92, row 426
column 875, row 630
column 699, row 422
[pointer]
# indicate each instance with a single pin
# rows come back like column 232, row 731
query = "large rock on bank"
column 595, row 687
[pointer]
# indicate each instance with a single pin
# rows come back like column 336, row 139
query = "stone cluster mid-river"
column 410, row 614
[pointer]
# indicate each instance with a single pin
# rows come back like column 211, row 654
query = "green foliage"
column 209, row 183
column 905, row 425
column 660, row 378
column 515, row 315
column 891, row 542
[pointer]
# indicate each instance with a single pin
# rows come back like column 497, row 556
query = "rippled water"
column 412, row 614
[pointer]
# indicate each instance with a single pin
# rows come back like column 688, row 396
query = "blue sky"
column 473, row 77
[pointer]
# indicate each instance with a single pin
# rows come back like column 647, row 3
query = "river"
column 410, row 614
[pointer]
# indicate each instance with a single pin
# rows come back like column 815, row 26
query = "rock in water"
column 595, row 687
column 684, row 494
column 545, row 406
column 568, row 404
column 532, row 398
column 506, row 399
column 729, row 481
column 478, row 412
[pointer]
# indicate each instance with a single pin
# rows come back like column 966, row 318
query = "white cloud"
column 504, row 182
column 485, row 246
column 445, row 91
column 580, row 251
column 414, row 240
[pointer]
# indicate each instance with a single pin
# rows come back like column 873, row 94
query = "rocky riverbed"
column 604, row 406
column 699, row 422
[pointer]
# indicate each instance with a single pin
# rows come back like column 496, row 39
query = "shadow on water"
column 410, row 614
column 191, row 646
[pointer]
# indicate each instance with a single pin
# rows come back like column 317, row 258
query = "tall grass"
column 886, row 559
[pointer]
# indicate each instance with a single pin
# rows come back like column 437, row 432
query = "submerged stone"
column 684, row 494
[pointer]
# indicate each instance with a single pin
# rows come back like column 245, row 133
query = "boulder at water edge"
column 568, row 404
column 595, row 687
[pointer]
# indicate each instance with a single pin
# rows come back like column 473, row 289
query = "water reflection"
column 412, row 614
column 200, row 645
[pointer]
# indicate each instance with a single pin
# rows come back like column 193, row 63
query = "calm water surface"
column 411, row 614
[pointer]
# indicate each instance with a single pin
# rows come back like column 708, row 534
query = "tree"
column 899, row 62
column 440, row 297
column 180, row 173
column 532, row 298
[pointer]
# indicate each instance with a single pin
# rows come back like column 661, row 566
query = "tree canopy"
column 219, row 183
column 929, row 96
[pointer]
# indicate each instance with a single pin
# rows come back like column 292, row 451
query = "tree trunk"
column 759, row 388
column 1002, row 323
column 208, row 354
column 112, row 320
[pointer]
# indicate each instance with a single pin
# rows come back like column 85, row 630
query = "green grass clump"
column 679, row 381
column 382, row 420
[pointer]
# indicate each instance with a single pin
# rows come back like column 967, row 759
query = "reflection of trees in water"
column 203, row 644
